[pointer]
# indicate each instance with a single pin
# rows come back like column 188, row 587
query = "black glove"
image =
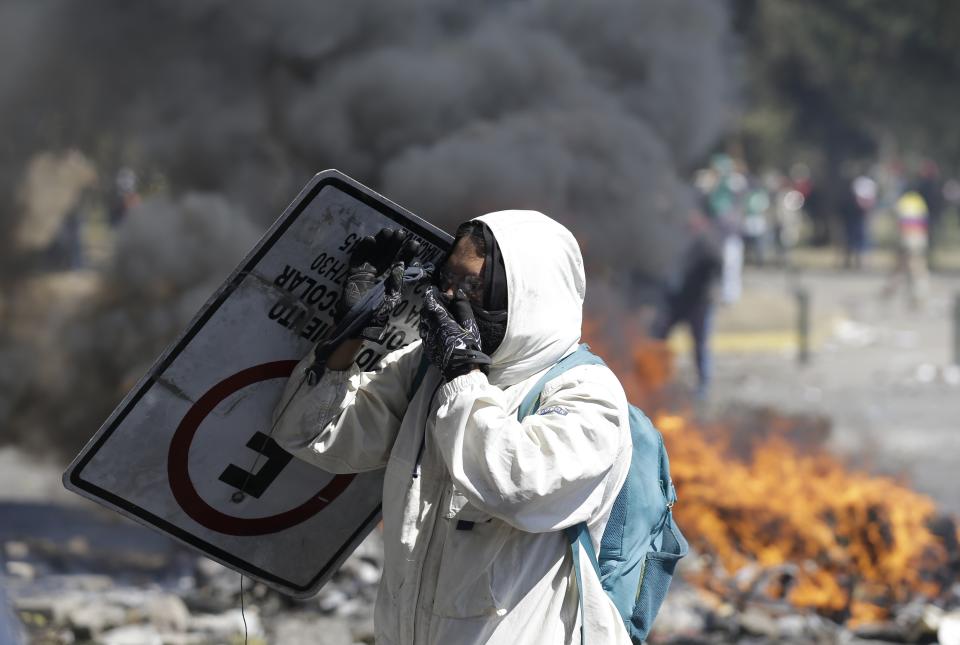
column 451, row 340
column 375, row 258
column 392, row 292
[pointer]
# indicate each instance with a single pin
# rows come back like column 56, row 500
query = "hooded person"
column 475, row 501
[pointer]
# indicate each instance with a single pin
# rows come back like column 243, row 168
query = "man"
column 474, row 501
column 911, row 264
column 692, row 300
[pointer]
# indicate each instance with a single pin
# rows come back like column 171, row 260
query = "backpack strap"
column 578, row 536
column 580, row 356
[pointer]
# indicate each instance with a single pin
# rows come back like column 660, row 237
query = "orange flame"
column 855, row 545
column 858, row 541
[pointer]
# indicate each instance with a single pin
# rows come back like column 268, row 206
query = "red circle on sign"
column 179, row 476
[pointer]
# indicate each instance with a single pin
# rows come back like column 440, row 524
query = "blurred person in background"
column 691, row 299
column 911, row 261
column 929, row 186
column 756, row 228
column 125, row 196
column 787, row 215
column 951, row 198
column 724, row 200
column 815, row 206
column 856, row 204
column 66, row 251
column 801, row 179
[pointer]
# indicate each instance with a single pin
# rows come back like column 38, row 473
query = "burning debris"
column 782, row 530
column 790, row 547
column 799, row 527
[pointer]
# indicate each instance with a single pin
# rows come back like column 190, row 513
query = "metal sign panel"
column 188, row 450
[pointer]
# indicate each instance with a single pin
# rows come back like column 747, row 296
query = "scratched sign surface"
column 189, row 451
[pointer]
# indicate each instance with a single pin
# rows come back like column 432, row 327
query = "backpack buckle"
column 671, row 494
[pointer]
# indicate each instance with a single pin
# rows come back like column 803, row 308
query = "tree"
column 835, row 81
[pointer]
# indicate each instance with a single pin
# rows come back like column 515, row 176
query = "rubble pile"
column 744, row 614
column 154, row 592
column 142, row 589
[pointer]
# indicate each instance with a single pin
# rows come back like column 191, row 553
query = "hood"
column 545, row 290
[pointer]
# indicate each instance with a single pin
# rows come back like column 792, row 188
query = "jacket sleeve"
column 348, row 421
column 547, row 472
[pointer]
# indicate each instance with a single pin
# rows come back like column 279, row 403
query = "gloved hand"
column 374, row 258
column 451, row 338
column 392, row 292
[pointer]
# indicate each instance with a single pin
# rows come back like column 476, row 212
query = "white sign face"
column 189, row 452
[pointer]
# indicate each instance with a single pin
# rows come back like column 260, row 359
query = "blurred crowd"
column 739, row 217
column 774, row 212
column 762, row 219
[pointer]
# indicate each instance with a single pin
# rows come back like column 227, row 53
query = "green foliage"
column 848, row 77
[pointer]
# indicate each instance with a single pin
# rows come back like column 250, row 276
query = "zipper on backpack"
column 643, row 571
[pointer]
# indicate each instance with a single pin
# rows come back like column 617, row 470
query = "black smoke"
column 593, row 112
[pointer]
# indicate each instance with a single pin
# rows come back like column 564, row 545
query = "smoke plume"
column 593, row 112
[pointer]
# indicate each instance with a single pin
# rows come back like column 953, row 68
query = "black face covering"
column 492, row 318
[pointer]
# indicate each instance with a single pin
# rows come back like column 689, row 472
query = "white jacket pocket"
column 468, row 566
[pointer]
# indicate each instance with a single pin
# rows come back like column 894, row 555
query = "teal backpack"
column 641, row 545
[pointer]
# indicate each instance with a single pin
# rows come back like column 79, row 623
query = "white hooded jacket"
column 456, row 454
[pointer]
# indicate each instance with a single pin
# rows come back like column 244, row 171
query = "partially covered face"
column 463, row 269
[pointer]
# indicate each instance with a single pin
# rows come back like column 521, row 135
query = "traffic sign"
column 189, row 450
